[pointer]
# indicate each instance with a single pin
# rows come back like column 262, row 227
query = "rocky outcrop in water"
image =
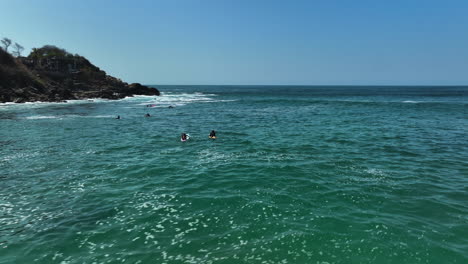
column 53, row 74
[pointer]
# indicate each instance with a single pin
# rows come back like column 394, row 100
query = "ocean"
column 297, row 174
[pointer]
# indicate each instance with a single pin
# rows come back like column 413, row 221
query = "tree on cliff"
column 18, row 49
column 49, row 51
column 6, row 43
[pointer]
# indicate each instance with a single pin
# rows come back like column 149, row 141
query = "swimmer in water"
column 212, row 134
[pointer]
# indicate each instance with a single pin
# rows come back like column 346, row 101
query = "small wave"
column 100, row 116
column 42, row 117
column 67, row 116
column 7, row 104
column 90, row 100
column 138, row 97
column 387, row 101
column 177, row 99
column 220, row 101
column 38, row 104
column 432, row 102
column 28, row 104
column 166, row 99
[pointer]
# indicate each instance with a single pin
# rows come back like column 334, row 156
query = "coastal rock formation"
column 53, row 74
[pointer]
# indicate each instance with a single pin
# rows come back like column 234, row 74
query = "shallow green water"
column 297, row 175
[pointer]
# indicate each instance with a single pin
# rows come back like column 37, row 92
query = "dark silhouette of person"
column 212, row 134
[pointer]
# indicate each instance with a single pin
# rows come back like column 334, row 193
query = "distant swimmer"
column 212, row 134
column 184, row 137
column 170, row 106
column 118, row 117
column 147, row 115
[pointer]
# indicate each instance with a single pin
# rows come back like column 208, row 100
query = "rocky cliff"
column 52, row 74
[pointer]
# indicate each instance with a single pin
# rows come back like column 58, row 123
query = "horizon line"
column 305, row 85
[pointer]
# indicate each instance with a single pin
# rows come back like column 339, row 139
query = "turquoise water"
column 296, row 175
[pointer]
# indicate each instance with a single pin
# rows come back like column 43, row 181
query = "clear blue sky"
column 254, row 42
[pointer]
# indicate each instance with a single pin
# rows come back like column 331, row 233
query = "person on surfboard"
column 183, row 137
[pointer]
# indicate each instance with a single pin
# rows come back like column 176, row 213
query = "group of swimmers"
column 146, row 115
column 184, row 137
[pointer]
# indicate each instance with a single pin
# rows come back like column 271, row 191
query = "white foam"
column 173, row 99
column 38, row 104
column 138, row 97
column 186, row 98
column 67, row 117
column 163, row 101
column 100, row 116
column 220, row 101
column 42, row 117
column 7, row 104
